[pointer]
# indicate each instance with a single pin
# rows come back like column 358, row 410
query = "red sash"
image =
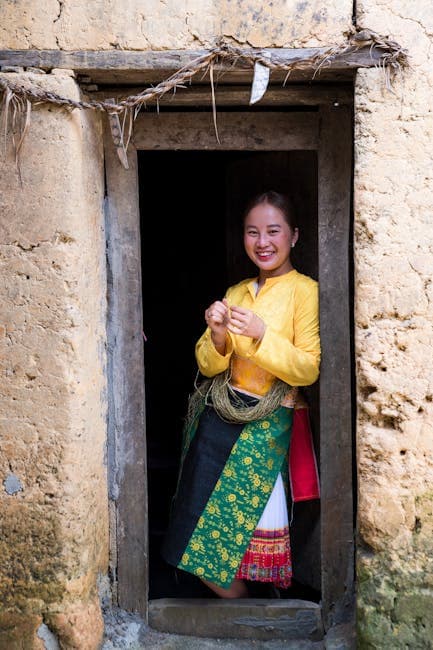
column 303, row 472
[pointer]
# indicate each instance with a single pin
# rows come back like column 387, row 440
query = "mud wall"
column 53, row 494
column 394, row 335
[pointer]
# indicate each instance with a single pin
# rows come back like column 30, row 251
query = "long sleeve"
column 297, row 363
column 209, row 360
column 290, row 347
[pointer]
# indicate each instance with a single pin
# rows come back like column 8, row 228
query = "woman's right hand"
column 217, row 317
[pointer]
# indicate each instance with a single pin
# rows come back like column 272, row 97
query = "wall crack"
column 49, row 639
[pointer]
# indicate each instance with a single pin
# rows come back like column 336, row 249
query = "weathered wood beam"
column 336, row 453
column 190, row 131
column 85, row 61
column 289, row 95
column 126, row 413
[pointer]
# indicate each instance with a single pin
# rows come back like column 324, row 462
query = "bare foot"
column 237, row 589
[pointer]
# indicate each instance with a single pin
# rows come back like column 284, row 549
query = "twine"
column 18, row 99
column 218, row 393
column 393, row 59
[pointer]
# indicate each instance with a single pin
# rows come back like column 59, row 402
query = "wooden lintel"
column 190, row 131
column 108, row 64
column 232, row 95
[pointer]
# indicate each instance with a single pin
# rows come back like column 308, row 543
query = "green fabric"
column 223, row 531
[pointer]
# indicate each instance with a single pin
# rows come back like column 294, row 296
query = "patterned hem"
column 268, row 558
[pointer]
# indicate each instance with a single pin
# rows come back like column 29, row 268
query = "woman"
column 229, row 521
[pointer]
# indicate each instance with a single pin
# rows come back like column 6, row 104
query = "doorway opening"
column 191, row 252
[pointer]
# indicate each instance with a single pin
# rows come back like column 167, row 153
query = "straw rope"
column 218, row 392
column 393, row 59
column 18, row 99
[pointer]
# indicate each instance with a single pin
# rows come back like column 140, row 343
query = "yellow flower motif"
column 200, row 522
column 245, row 435
column 227, row 471
column 223, row 575
column 239, row 538
column 234, row 563
column 195, row 546
column 218, row 485
column 256, row 482
column 199, row 571
column 249, row 525
column 215, row 534
column 247, row 460
column 231, row 498
column 255, row 501
column 240, row 518
column 265, row 424
column 185, row 558
column 226, row 529
column 270, row 463
column 272, row 443
column 211, row 509
column 224, row 555
column 266, row 488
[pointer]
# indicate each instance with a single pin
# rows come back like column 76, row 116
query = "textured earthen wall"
column 53, row 494
column 170, row 24
column 53, row 499
column 394, row 335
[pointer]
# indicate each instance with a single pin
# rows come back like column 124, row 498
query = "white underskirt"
column 275, row 516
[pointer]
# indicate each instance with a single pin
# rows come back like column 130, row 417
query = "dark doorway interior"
column 191, row 251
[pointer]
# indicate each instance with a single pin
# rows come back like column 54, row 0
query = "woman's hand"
column 246, row 323
column 217, row 318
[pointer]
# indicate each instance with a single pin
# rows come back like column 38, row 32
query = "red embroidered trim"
column 268, row 558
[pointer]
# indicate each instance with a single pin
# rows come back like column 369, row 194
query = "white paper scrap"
column 260, row 82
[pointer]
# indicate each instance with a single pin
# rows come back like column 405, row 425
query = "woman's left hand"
column 246, row 323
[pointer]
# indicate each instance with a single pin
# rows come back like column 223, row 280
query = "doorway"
column 193, row 236
column 179, row 147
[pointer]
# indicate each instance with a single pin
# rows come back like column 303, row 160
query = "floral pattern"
column 225, row 527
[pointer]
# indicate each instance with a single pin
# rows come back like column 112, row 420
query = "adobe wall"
column 54, row 498
column 394, row 335
column 53, row 494
column 172, row 24
column 53, row 501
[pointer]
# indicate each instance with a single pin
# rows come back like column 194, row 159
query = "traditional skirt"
column 268, row 556
column 228, row 474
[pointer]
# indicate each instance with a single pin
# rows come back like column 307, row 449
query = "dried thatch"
column 18, row 99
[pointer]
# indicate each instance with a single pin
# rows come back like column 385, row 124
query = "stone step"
column 246, row 618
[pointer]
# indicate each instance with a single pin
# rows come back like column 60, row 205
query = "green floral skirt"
column 227, row 475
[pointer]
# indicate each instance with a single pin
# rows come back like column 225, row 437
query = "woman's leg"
column 238, row 589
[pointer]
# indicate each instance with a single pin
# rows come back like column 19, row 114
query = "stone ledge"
column 243, row 618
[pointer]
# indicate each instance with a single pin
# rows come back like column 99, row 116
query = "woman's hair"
column 278, row 200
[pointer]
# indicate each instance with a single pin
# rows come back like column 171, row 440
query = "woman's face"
column 268, row 239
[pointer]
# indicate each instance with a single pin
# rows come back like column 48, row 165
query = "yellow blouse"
column 290, row 347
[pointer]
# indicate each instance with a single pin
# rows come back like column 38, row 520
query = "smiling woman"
column 229, row 523
column 269, row 233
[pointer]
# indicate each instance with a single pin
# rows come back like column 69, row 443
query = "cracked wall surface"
column 170, row 24
column 394, row 335
column 53, row 489
column 53, row 497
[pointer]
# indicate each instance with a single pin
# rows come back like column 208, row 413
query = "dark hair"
column 278, row 200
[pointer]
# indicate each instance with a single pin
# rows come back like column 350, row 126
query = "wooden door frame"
column 319, row 130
